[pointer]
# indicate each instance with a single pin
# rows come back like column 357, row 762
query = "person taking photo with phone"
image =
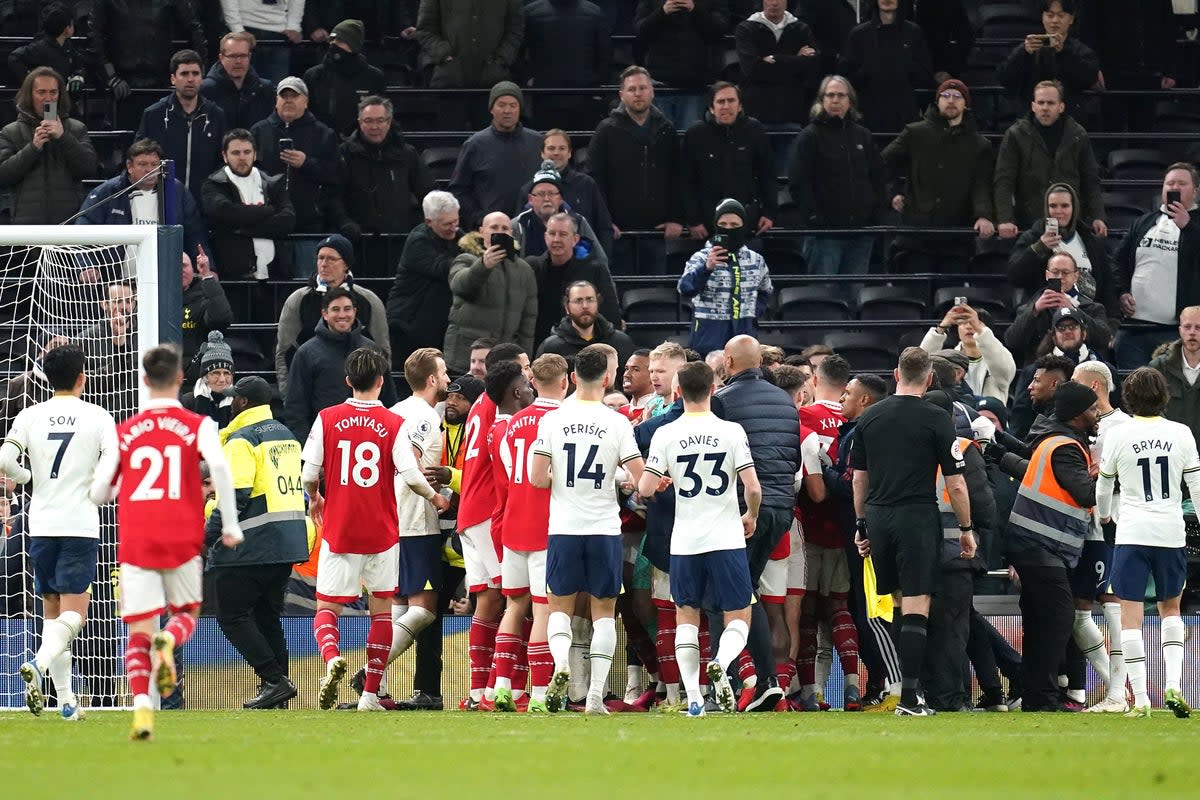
column 1039, row 318
column 1053, row 55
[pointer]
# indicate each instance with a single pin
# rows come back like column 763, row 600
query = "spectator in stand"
column 1052, row 56
column 111, row 204
column 342, row 78
column 836, row 180
column 679, row 38
column 188, row 127
column 1034, row 247
column 277, row 25
column 887, row 60
column 580, row 193
column 1044, row 148
column 231, row 83
column 779, row 61
column 568, row 43
column 831, row 23
column 942, row 167
column 634, row 157
column 216, row 376
column 1068, row 344
column 302, row 311
column 43, row 161
column 563, row 265
column 991, row 367
column 1138, row 51
column 110, row 350
column 318, row 380
column 132, row 42
column 205, row 307
column 479, row 353
column 469, row 45
column 250, row 213
column 728, row 283
column 1033, row 321
column 583, row 325
column 496, row 161
column 727, row 154
column 311, row 166
column 1179, row 362
column 545, row 199
column 418, row 305
column 51, row 49
column 494, row 293
column 1158, row 267
column 385, row 176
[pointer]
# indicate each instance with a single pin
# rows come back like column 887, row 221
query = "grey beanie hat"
column 217, row 354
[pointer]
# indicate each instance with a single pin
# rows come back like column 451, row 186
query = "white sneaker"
column 335, row 670
column 1108, row 705
column 369, row 702
column 595, row 705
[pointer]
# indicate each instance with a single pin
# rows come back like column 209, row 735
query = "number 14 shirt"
column 585, row 441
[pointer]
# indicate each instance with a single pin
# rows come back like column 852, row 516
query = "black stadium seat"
column 979, row 297
column 889, row 302
column 868, row 350
column 805, row 303
column 440, row 161
column 654, row 304
column 1137, row 164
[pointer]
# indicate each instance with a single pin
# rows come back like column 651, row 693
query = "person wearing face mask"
column 342, row 77
column 728, row 283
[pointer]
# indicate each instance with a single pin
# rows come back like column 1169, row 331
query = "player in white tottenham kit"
column 704, row 457
column 579, row 448
column 64, row 439
column 1151, row 457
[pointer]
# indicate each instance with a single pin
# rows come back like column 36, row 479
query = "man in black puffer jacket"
column 772, row 427
column 679, row 37
column 779, row 62
column 342, row 77
column 231, row 83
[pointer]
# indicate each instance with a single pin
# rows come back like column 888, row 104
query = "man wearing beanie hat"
column 208, row 396
column 544, row 200
column 728, row 283
column 342, row 77
column 495, row 162
column 941, row 168
column 1049, row 523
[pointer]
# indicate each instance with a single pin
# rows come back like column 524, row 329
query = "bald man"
column 772, row 426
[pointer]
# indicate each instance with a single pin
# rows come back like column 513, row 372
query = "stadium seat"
column 654, row 304
column 654, row 335
column 440, row 161
column 791, row 342
column 978, row 296
column 808, row 303
column 783, row 254
column 678, row 252
column 868, row 350
column 1137, row 164
column 890, row 302
column 1121, row 210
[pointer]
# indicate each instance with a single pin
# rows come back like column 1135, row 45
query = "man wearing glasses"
column 232, row 83
column 1084, row 319
column 544, row 201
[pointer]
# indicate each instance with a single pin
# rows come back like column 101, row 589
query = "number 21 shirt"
column 585, row 441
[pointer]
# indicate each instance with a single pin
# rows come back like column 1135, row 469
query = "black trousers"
column 946, row 648
column 427, row 671
column 249, row 604
column 1047, row 614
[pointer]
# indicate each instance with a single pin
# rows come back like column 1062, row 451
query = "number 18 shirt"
column 586, row 441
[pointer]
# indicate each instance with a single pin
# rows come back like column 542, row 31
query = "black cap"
column 993, row 405
column 253, row 388
column 468, row 386
column 1067, row 314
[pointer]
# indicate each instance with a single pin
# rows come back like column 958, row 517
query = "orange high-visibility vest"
column 1044, row 514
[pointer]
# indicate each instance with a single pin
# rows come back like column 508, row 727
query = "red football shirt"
column 478, row 496
column 820, row 520
column 360, row 446
column 495, row 441
column 160, row 505
column 527, row 512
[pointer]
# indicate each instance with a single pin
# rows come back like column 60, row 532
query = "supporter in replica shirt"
column 527, row 510
column 478, row 496
column 819, row 425
column 581, row 439
column 360, row 446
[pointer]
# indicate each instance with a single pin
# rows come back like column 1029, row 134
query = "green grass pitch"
column 226, row 755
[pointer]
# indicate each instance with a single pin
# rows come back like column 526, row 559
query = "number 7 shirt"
column 585, row 441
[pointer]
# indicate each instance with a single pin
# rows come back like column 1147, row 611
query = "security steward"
column 1049, row 522
column 249, row 581
column 902, row 441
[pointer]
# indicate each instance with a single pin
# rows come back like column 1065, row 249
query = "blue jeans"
column 681, row 109
column 1134, row 349
column 838, row 255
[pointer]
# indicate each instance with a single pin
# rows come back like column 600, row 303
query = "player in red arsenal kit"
column 359, row 445
column 160, row 522
column 523, row 566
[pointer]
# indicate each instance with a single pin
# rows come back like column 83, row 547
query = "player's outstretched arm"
column 209, row 444
column 10, row 452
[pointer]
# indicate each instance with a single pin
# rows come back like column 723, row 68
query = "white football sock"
column 60, row 674
column 633, row 677
column 824, row 661
column 687, row 656
column 577, row 658
column 57, row 635
column 1173, row 633
column 558, row 637
column 398, row 611
column 1116, row 657
column 1135, row 662
column 604, row 644
column 406, row 627
column 673, row 692
column 1090, row 640
column 731, row 643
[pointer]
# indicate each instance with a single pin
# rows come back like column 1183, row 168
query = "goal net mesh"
column 50, row 295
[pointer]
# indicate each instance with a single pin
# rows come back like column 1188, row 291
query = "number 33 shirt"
column 702, row 455
column 585, row 441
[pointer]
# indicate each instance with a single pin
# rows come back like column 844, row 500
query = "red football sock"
column 137, row 663
column 845, row 637
column 181, row 626
column 506, row 654
column 379, row 644
column 325, row 630
column 541, row 665
column 520, row 676
column 481, row 644
column 664, row 646
column 745, row 666
column 806, row 656
column 785, row 670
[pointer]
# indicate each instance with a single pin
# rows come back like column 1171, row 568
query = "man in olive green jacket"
column 1172, row 360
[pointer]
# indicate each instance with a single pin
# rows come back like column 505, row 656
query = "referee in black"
column 899, row 444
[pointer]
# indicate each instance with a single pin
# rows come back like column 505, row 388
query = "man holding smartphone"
column 1039, row 318
column 1052, row 55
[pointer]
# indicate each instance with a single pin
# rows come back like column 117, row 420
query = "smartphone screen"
column 50, row 111
column 286, row 144
column 1173, row 197
column 1054, row 284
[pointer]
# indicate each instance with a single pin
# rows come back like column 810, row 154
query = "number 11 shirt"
column 585, row 441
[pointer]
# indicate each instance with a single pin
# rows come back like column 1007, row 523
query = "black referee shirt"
column 901, row 441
